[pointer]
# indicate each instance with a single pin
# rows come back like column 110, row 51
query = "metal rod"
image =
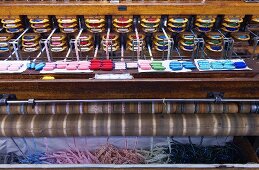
column 9, row 56
column 76, row 44
column 15, row 42
column 150, row 52
column 46, row 44
column 106, row 41
column 129, row 100
column 21, row 34
column 68, row 52
column 43, row 49
column 138, row 43
column 168, row 42
column 96, row 51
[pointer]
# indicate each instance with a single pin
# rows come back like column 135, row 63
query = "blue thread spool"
column 204, row 29
column 29, row 66
column 188, row 47
column 240, row 65
column 188, row 65
column 229, row 66
column 216, row 48
column 227, row 62
column 37, row 20
column 39, row 66
column 13, row 29
column 177, row 29
column 33, row 65
column 175, row 65
column 4, row 49
column 231, row 29
column 203, row 62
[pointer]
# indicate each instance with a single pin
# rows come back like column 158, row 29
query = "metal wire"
column 128, row 100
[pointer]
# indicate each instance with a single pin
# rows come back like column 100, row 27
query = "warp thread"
column 168, row 152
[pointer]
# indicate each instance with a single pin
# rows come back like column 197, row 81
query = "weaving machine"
column 115, row 69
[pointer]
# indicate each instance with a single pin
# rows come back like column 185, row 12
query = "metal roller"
column 129, row 125
column 125, row 107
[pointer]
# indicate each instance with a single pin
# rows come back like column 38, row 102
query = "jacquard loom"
column 129, row 84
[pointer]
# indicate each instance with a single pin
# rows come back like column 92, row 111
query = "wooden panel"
column 134, row 8
column 172, row 168
column 137, row 88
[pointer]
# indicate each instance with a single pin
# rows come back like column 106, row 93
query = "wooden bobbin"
column 30, row 109
column 179, row 107
column 10, row 109
column 117, row 108
column 75, row 108
column 216, row 108
column 146, row 108
column 105, row 107
column 64, row 108
column 159, row 107
column 3, row 109
column 202, row 108
column 171, row 108
column 188, row 108
column 244, row 108
column 230, row 108
column 97, row 108
column 131, row 107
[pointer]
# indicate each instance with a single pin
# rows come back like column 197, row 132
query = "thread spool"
column 30, row 42
column 160, row 42
column 112, row 42
column 116, row 108
column 241, row 42
column 231, row 108
column 12, row 24
column 202, row 108
column 122, row 24
column 241, row 36
column 205, row 23
column 244, row 108
column 58, row 42
column 158, row 107
column 4, row 41
column 150, row 23
column 67, row 24
column 86, row 42
column 131, row 108
column 95, row 24
column 216, row 108
column 214, row 44
column 188, row 108
column 95, row 108
column 177, row 23
column 186, row 43
column 133, row 44
column 232, row 23
column 171, row 107
column 40, row 24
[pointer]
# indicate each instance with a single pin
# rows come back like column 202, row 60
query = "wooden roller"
column 129, row 125
column 125, row 108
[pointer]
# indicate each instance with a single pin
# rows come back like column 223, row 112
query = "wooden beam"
column 134, row 8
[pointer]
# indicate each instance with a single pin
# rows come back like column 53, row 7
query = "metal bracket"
column 228, row 47
column 31, row 102
column 199, row 43
column 218, row 96
column 5, row 97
